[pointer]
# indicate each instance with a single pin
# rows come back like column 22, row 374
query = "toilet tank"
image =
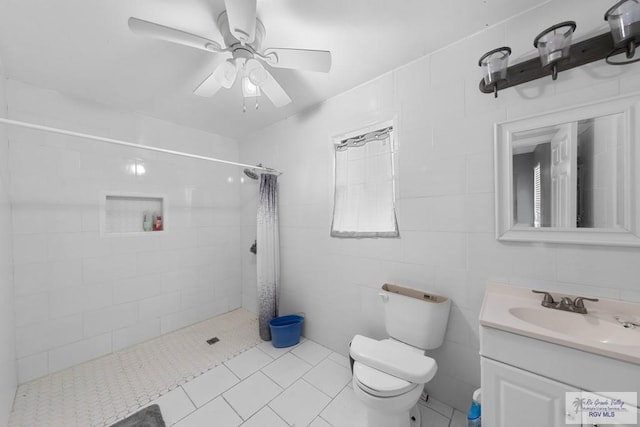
column 415, row 317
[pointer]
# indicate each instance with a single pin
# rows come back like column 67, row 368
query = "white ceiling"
column 84, row 48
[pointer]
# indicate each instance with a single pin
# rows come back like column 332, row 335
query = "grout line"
column 217, row 395
column 300, row 358
column 264, row 352
column 234, row 409
column 323, row 419
column 330, row 402
column 330, row 398
column 333, row 361
column 306, row 381
column 191, row 412
column 232, row 373
column 189, row 397
column 277, row 414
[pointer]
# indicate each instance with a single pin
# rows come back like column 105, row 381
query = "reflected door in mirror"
column 565, row 176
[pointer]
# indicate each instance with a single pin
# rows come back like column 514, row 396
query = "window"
column 364, row 186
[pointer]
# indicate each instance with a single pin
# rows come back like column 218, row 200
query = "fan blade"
column 223, row 76
column 274, row 91
column 157, row 31
column 303, row 59
column 209, row 87
column 242, row 19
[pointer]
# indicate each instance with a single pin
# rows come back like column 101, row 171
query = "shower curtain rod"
column 132, row 145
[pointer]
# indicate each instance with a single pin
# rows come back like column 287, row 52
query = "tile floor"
column 305, row 385
column 239, row 381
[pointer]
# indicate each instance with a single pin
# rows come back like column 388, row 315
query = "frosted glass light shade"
column 554, row 43
column 494, row 65
column 624, row 21
column 249, row 90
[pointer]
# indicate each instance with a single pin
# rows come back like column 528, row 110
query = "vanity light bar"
column 623, row 37
column 581, row 53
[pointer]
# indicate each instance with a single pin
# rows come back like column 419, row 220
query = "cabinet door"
column 610, row 425
column 514, row 397
column 637, row 410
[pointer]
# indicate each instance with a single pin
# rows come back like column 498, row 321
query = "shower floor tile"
column 104, row 390
column 193, row 382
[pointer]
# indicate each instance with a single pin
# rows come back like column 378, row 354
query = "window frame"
column 393, row 140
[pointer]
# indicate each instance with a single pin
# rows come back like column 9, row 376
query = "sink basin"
column 516, row 310
column 585, row 327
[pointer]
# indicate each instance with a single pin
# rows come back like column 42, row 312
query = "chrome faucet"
column 566, row 304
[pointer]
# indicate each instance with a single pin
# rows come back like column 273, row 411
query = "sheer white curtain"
column 268, row 253
column 364, row 187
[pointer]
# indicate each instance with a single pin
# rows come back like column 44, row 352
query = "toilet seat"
column 378, row 383
column 393, row 358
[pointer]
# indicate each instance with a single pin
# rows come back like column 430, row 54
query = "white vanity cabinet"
column 531, row 356
column 523, row 399
column 515, row 397
column 524, row 380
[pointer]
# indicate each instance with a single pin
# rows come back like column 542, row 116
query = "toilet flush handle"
column 384, row 297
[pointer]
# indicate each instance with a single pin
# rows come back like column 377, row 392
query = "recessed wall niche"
column 132, row 213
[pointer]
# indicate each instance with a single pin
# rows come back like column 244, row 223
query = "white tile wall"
column 80, row 294
column 139, row 332
column 32, row 367
column 79, row 351
column 8, row 369
column 445, row 209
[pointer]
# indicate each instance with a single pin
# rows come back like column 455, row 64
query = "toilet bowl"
column 387, row 401
column 388, row 378
column 389, row 375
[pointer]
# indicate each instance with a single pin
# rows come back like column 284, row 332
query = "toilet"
column 389, row 375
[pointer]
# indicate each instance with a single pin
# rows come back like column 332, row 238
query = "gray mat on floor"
column 145, row 417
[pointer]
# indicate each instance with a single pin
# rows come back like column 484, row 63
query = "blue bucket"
column 285, row 330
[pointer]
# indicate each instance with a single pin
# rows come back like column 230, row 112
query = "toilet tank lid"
column 394, row 359
column 414, row 293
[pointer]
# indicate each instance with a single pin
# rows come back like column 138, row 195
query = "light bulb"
column 249, row 89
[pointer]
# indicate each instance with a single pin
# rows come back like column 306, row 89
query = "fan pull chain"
column 244, row 105
column 256, row 102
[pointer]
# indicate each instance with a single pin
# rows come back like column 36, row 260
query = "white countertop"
column 596, row 332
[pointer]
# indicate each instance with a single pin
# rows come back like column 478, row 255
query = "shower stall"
column 82, row 275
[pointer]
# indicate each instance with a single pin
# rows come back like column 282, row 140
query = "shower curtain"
column 268, row 256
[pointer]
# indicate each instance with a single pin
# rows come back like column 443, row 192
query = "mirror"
column 566, row 176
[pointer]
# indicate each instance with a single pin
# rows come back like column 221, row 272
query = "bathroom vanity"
column 532, row 355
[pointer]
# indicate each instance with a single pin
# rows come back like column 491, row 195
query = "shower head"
column 251, row 173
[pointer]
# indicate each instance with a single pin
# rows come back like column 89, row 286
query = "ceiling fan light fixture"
column 258, row 76
column 249, row 89
column 226, row 72
column 242, row 34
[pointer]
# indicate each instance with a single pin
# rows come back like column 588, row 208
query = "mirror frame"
column 628, row 234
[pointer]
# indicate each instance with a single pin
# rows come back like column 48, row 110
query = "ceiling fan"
column 243, row 34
